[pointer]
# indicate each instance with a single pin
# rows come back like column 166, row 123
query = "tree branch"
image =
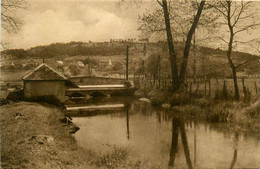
column 159, row 3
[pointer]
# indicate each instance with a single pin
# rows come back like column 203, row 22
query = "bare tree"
column 239, row 16
column 11, row 23
column 169, row 14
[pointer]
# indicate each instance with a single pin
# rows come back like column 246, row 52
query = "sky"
column 47, row 21
column 51, row 21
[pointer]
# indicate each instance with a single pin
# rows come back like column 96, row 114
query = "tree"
column 9, row 21
column 238, row 16
column 151, row 23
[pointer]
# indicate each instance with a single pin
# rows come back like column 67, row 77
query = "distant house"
column 45, row 81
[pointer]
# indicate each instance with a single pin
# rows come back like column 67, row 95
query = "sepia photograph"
column 130, row 84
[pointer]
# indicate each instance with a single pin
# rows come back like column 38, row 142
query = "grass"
column 37, row 138
column 114, row 159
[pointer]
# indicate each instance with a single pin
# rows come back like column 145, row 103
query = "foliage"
column 74, row 69
column 90, row 61
column 117, row 66
column 179, row 99
column 247, row 95
column 68, row 49
column 223, row 94
column 17, row 95
column 158, row 97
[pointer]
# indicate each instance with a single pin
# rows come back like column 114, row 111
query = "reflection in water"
column 160, row 137
column 185, row 145
column 174, row 148
column 235, row 151
column 195, row 143
column 176, row 123
column 127, row 124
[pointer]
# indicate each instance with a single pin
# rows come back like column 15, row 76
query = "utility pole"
column 127, row 62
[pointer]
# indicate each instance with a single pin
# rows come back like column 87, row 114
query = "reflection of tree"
column 235, row 152
column 127, row 124
column 185, row 145
column 175, row 124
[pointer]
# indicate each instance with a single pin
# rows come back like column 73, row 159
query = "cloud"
column 71, row 22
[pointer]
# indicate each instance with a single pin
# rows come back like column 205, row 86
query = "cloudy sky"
column 52, row 21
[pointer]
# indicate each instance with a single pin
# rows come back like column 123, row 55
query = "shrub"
column 179, row 99
column 158, row 97
column 74, row 69
column 247, row 96
column 47, row 99
column 17, row 95
column 223, row 94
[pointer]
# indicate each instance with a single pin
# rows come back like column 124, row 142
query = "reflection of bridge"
column 100, row 90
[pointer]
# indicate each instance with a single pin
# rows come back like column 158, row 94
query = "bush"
column 90, row 61
column 3, row 101
column 179, row 99
column 74, row 69
column 158, row 97
column 247, row 96
column 47, row 99
column 223, row 94
column 17, row 95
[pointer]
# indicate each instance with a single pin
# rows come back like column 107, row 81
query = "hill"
column 202, row 61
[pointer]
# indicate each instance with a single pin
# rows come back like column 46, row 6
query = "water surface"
column 162, row 138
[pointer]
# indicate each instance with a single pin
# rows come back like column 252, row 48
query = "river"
column 161, row 137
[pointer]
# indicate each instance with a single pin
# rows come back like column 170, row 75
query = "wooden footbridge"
column 99, row 87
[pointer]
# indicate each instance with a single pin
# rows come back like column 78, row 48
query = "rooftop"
column 44, row 72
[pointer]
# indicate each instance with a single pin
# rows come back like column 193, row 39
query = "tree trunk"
column 229, row 52
column 172, row 54
column 233, row 68
column 188, row 43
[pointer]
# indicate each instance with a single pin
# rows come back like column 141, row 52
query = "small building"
column 45, row 81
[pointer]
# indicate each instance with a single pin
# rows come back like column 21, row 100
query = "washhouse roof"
column 44, row 72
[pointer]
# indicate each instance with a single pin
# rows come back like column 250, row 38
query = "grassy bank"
column 242, row 115
column 33, row 136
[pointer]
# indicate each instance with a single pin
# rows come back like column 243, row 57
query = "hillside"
column 202, row 60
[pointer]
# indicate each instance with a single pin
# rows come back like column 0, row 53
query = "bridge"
column 94, row 87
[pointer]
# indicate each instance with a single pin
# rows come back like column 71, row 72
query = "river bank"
column 242, row 115
column 34, row 136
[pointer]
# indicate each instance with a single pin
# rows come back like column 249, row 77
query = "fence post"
column 244, row 89
column 256, row 91
column 197, row 88
column 159, row 71
column 190, row 87
column 209, row 88
column 190, row 91
column 205, row 87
